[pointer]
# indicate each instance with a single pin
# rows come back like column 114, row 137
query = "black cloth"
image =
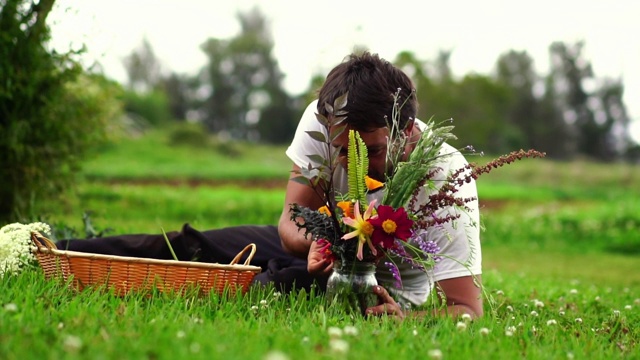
column 284, row 270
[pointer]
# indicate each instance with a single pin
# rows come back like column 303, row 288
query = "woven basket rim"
column 49, row 247
column 137, row 260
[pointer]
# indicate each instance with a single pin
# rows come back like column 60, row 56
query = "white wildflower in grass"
column 538, row 303
column 628, row 307
column 534, row 313
column 461, row 326
column 570, row 355
column 561, row 313
column 15, row 246
column 573, row 291
column 415, row 332
column 194, row 348
column 616, row 312
column 263, row 302
column 551, row 322
column 276, row 355
column 509, row 308
column 60, row 325
column 579, row 320
column 72, row 343
column 510, row 330
column 508, row 333
column 339, row 346
column 499, row 292
column 254, row 308
column 305, row 339
column 597, row 298
column 484, row 331
column 435, row 354
column 180, row 334
column 466, row 317
column 350, row 330
column 11, row 307
column 334, row 332
column 277, row 294
column 636, row 301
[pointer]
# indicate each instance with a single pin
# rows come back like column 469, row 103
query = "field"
column 561, row 248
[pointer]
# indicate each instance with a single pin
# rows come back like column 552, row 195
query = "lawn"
column 560, row 255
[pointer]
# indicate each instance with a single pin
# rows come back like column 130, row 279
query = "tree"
column 598, row 115
column 246, row 96
column 51, row 113
column 143, row 68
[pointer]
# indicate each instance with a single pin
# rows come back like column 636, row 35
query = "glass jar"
column 350, row 286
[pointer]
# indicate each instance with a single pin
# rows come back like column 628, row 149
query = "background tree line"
column 53, row 111
column 568, row 112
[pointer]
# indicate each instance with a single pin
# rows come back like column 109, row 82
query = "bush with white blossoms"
column 15, row 246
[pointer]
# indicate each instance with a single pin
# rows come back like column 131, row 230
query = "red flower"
column 389, row 225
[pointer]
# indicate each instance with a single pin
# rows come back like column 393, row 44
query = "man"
column 370, row 83
column 287, row 258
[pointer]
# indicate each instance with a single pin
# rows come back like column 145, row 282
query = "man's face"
column 376, row 142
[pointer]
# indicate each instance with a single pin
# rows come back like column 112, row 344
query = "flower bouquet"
column 378, row 220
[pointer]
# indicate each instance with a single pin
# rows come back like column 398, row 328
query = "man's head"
column 371, row 84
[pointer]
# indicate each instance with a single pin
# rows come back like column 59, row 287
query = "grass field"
column 561, row 252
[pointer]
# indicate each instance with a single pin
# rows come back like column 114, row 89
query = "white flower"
column 466, row 317
column 180, row 334
column 509, row 308
column 15, row 245
column 435, row 354
column 11, row 307
column 72, row 343
column 276, row 355
column 339, row 345
column 350, row 330
column 551, row 322
column 616, row 312
column 461, row 326
column 573, row 291
column 538, row 303
column 508, row 333
column 628, row 307
column 334, row 332
column 305, row 339
column 263, row 302
column 194, row 347
column 484, row 331
column 499, row 292
column 579, row 320
column 534, row 313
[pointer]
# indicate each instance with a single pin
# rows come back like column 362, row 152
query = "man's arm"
column 292, row 238
column 462, row 295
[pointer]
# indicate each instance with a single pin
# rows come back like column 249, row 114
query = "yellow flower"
column 372, row 184
column 362, row 228
column 324, row 210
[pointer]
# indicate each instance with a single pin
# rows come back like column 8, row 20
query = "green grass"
column 564, row 235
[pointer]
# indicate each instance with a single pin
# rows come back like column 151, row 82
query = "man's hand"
column 386, row 305
column 316, row 262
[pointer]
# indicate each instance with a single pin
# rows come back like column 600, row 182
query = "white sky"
column 313, row 36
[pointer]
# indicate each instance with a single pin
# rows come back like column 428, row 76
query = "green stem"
column 169, row 245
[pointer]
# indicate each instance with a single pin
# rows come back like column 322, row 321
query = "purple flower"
column 396, row 274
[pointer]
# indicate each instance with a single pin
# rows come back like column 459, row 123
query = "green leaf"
column 317, row 159
column 340, row 103
column 317, row 135
column 322, row 120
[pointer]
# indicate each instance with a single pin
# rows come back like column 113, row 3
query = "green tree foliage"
column 51, row 113
column 246, row 96
column 595, row 113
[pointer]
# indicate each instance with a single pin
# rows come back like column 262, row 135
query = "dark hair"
column 371, row 83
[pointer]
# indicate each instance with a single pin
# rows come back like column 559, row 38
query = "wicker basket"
column 125, row 274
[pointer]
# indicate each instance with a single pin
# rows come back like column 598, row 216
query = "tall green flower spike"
column 358, row 167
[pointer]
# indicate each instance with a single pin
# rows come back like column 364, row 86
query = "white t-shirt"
column 458, row 241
